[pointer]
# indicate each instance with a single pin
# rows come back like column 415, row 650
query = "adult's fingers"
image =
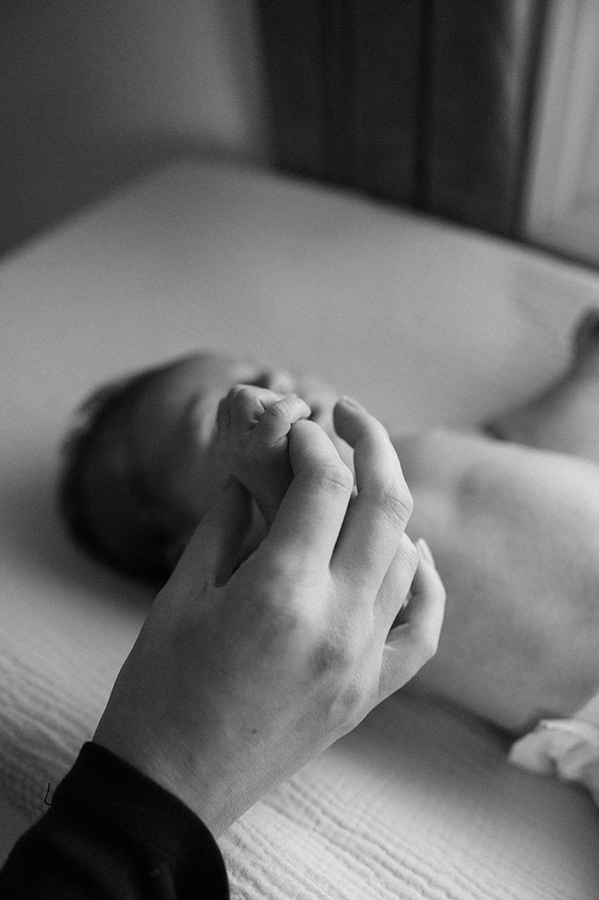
column 412, row 643
column 396, row 587
column 309, row 519
column 376, row 521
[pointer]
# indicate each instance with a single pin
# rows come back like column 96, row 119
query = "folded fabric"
column 567, row 748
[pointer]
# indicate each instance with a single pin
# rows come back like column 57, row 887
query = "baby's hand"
column 253, row 427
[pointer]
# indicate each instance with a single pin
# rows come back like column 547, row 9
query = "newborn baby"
column 514, row 529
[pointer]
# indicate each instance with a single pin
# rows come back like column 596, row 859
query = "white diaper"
column 568, row 748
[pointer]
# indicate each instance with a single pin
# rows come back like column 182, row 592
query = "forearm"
column 111, row 832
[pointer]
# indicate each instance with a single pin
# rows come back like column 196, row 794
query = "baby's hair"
column 105, row 502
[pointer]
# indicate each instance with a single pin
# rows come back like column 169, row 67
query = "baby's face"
column 172, row 425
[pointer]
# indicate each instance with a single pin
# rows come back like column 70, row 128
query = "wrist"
column 206, row 794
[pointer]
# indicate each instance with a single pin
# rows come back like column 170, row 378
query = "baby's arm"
column 253, row 427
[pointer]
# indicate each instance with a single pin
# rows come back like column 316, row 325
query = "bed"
column 426, row 323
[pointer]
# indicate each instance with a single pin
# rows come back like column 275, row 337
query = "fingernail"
column 425, row 550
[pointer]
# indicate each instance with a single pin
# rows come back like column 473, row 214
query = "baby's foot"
column 253, row 435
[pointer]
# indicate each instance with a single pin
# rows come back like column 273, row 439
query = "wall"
column 92, row 93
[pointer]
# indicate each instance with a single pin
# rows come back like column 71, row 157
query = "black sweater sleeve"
column 113, row 833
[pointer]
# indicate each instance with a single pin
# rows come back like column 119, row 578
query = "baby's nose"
column 280, row 381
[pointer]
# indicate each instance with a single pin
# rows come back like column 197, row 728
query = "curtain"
column 425, row 102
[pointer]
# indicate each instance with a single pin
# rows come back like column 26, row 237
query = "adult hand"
column 240, row 676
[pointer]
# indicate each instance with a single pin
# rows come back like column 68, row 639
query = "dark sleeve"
column 110, row 833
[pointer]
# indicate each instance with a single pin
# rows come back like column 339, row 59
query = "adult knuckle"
column 277, row 614
column 331, row 655
column 351, row 706
column 275, row 573
column 396, row 503
column 334, row 478
column 336, row 666
column 287, row 620
column 354, row 700
column 337, row 654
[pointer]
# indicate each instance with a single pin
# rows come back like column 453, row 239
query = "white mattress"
column 424, row 322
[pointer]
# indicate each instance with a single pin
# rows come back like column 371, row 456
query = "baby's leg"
column 565, row 416
column 253, row 428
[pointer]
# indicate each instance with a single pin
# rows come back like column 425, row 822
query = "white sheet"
column 425, row 323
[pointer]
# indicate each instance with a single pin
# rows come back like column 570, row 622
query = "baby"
column 514, row 529
column 144, row 462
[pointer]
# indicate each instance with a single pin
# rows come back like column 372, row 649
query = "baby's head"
column 141, row 466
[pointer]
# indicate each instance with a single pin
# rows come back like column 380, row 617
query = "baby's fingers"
column 239, row 411
column 246, row 407
column 412, row 643
column 275, row 423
